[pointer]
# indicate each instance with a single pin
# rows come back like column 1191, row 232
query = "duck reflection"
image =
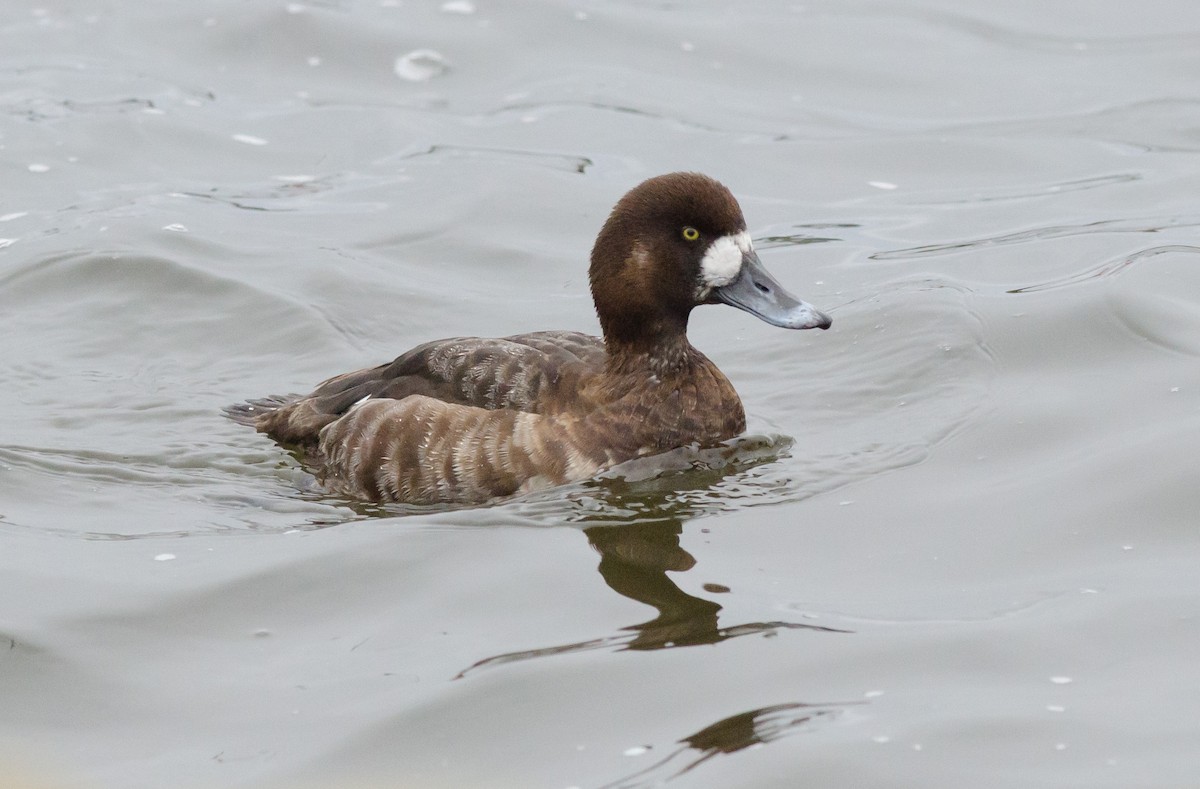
column 634, row 562
column 635, row 526
column 729, row 735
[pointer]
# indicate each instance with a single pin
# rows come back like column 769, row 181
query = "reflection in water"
column 634, row 561
column 728, row 735
column 636, row 553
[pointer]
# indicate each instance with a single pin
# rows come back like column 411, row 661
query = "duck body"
column 468, row 419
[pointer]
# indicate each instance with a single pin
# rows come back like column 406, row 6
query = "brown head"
column 675, row 242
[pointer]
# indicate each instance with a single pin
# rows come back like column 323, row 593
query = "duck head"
column 675, row 242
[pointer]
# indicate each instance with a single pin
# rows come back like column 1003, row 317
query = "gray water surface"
column 958, row 546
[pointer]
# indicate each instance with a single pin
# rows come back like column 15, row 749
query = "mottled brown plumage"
column 468, row 419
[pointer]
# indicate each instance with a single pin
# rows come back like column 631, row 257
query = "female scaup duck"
column 468, row 419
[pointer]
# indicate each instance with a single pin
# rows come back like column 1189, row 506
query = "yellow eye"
column 690, row 234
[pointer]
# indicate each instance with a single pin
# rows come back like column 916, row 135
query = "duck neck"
column 663, row 350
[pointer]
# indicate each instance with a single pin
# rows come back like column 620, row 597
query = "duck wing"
column 508, row 373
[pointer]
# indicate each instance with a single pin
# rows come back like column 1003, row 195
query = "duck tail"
column 252, row 411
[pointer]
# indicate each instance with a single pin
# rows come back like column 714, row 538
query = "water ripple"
column 1026, row 192
column 992, row 33
column 568, row 162
column 1106, row 269
column 1146, row 225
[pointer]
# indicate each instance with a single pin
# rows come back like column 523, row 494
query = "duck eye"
column 690, row 233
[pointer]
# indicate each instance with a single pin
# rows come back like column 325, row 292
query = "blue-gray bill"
column 757, row 292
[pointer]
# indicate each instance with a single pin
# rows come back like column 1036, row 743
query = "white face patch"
column 723, row 260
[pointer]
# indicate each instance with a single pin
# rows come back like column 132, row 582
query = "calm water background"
column 959, row 549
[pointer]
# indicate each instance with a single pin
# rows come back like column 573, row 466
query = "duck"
column 466, row 420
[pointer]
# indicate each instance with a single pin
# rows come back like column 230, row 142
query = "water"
column 957, row 546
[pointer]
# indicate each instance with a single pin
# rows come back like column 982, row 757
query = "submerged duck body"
column 468, row 419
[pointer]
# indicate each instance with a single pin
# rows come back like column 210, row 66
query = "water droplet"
column 175, row 228
column 1060, row 680
column 420, row 65
column 164, row 557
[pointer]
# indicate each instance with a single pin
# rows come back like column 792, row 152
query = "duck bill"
column 757, row 292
